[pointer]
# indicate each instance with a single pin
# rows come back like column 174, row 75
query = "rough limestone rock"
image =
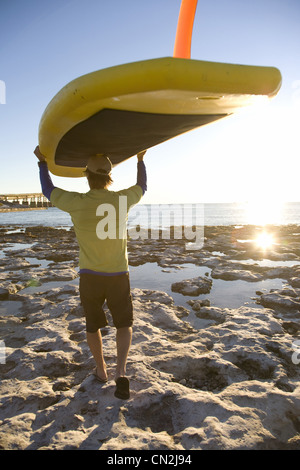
column 230, row 386
column 4, row 293
column 196, row 286
column 231, row 383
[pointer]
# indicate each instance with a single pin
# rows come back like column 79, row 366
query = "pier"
column 29, row 200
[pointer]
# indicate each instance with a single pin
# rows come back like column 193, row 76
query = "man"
column 99, row 217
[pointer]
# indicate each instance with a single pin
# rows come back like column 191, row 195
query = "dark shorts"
column 95, row 289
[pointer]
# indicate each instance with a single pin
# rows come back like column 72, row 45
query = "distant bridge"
column 26, row 200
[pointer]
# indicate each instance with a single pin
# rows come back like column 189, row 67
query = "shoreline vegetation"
column 202, row 377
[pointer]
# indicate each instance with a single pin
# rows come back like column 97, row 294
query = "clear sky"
column 44, row 44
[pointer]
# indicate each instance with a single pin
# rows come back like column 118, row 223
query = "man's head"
column 98, row 172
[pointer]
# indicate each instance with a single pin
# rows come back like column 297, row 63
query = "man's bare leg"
column 123, row 337
column 95, row 344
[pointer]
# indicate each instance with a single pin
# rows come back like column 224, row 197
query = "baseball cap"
column 99, row 164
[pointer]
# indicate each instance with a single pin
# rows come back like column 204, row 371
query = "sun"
column 264, row 240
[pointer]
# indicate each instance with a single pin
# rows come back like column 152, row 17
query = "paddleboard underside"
column 121, row 134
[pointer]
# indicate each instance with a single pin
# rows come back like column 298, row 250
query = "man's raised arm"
column 46, row 182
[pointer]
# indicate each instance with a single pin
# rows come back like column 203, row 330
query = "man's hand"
column 140, row 155
column 39, row 155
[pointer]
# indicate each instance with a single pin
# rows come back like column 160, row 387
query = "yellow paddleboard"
column 122, row 110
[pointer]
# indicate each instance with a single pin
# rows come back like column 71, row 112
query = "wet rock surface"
column 228, row 381
column 196, row 286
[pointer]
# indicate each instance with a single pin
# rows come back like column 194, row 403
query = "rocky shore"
column 229, row 379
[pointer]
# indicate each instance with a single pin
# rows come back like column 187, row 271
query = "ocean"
column 165, row 215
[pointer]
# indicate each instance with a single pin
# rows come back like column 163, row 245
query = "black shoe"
column 122, row 388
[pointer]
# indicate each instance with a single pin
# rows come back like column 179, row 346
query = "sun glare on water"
column 263, row 213
column 264, row 240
